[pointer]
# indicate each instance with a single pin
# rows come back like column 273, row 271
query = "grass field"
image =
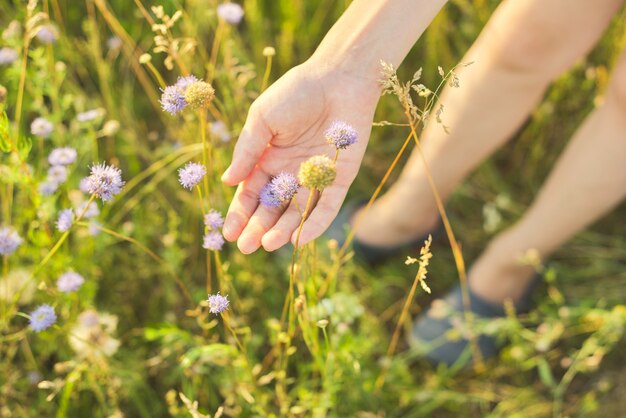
column 137, row 340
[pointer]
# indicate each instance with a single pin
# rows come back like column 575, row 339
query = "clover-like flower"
column 70, row 282
column 42, row 318
column 230, row 12
column 191, row 175
column 10, row 240
column 41, row 127
column 218, row 303
column 104, row 182
column 62, row 156
column 340, row 134
column 213, row 241
column 213, row 220
column 65, row 220
column 280, row 189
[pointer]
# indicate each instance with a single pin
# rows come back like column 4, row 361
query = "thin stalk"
column 454, row 245
column 266, row 75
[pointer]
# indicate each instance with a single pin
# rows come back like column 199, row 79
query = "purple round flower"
column 89, row 115
column 62, row 156
column 219, row 130
column 105, row 181
column 42, row 318
column 173, row 100
column 280, row 189
column 65, row 220
column 218, row 303
column 9, row 240
column 7, row 56
column 114, row 43
column 70, row 282
column 213, row 220
column 47, row 34
column 183, row 82
column 213, row 241
column 48, row 187
column 191, row 174
column 230, row 12
column 57, row 174
column 340, row 134
column 267, row 198
column 41, row 127
column 91, row 212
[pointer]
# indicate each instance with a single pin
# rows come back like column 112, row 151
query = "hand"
column 285, row 126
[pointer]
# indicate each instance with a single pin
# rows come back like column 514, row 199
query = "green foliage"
column 146, row 272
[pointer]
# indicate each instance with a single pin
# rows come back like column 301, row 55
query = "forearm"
column 374, row 30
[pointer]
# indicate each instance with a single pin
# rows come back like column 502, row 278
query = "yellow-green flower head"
column 198, row 95
column 318, row 172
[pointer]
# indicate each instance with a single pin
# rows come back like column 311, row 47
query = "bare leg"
column 588, row 180
column 523, row 47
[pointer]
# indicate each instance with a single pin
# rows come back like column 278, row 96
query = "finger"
column 249, row 148
column 260, row 222
column 322, row 215
column 244, row 204
column 280, row 234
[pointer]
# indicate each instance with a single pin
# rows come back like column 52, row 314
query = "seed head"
column 199, row 94
column 318, row 172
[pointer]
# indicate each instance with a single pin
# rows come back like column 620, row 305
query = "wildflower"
column 230, row 12
column 218, row 303
column 47, row 34
column 62, row 156
column 213, row 220
column 9, row 240
column 173, row 100
column 218, row 129
column 7, row 55
column 48, row 187
column 94, row 228
column 105, row 181
column 91, row 336
column 213, row 241
column 198, row 95
column 41, row 127
column 57, row 173
column 91, row 212
column 280, row 189
column 114, row 43
column 191, row 174
column 183, row 82
column 89, row 115
column 70, row 282
column 42, row 318
column 267, row 198
column 83, row 185
column 317, row 172
column 65, row 220
column 340, row 135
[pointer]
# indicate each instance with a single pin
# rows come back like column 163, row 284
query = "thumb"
column 252, row 142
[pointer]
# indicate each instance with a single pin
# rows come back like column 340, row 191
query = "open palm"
column 285, row 126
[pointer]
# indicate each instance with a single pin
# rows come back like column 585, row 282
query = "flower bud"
column 269, row 51
column 318, row 172
column 199, row 95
